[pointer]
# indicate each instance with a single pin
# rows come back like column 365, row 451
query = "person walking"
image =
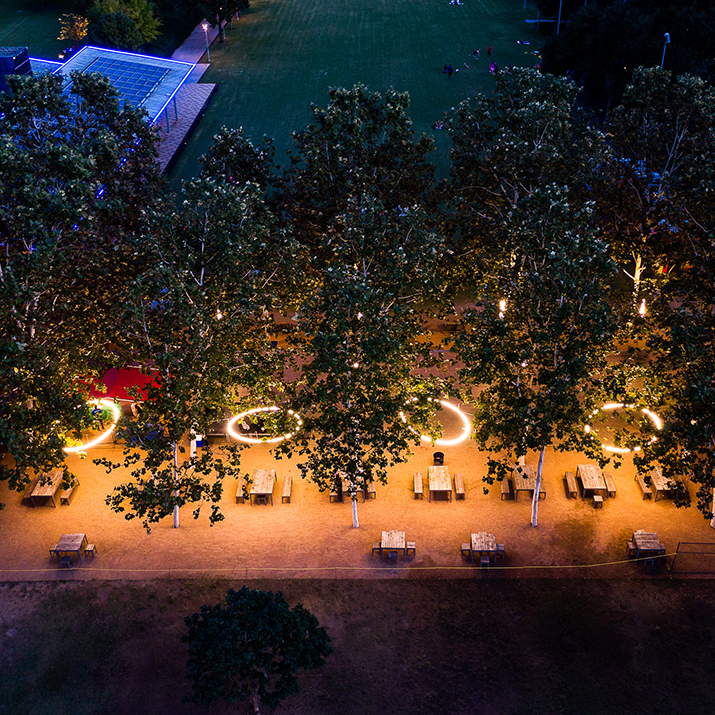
column 489, row 51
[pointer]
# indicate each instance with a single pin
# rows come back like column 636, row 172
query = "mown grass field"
column 401, row 647
column 33, row 24
column 285, row 54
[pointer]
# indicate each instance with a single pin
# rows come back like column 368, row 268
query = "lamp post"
column 206, row 34
column 666, row 42
column 558, row 22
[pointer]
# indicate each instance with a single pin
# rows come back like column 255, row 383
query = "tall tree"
column 198, row 318
column 253, row 647
column 78, row 177
column 359, row 340
column 539, row 333
column 529, row 258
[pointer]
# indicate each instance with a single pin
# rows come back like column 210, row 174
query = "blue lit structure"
column 141, row 80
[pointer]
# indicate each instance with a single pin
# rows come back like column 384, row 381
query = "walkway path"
column 192, row 98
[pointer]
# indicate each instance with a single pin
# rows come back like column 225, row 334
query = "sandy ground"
column 313, row 538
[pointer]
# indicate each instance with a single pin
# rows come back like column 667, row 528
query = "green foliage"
column 360, row 145
column 75, row 187
column 253, row 647
column 124, row 24
column 198, row 314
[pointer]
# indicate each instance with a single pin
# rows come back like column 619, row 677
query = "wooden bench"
column 458, row 486
column 371, row 491
column 610, row 484
column 505, row 489
column 376, row 548
column 467, row 551
column 645, row 488
column 66, row 494
column 597, row 501
column 419, row 493
column 90, row 549
column 571, row 486
column 26, row 498
column 287, row 484
column 241, row 494
column 411, row 547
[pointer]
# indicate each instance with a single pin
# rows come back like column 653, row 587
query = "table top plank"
column 71, row 542
column 524, row 477
column 439, row 479
column 263, row 481
column 484, row 541
column 648, row 541
column 50, row 488
column 591, row 476
column 393, row 540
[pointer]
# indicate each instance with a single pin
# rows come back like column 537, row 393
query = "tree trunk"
column 356, row 523
column 537, row 489
column 176, row 491
column 712, row 521
column 256, row 702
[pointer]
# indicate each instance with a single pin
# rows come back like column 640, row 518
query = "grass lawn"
column 285, row 54
column 34, row 24
column 490, row 646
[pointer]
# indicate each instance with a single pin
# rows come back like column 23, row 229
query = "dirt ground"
column 313, row 538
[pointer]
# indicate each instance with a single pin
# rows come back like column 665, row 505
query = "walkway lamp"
column 666, row 42
column 206, row 34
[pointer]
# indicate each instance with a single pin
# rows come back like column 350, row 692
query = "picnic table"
column 393, row 541
column 662, row 487
column 70, row 544
column 524, row 478
column 648, row 545
column 47, row 486
column 439, row 481
column 592, row 479
column 483, row 543
column 262, row 484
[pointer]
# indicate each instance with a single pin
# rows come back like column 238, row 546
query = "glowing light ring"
column 117, row 414
column 652, row 416
column 253, row 440
column 466, row 427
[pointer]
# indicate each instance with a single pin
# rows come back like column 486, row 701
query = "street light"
column 666, row 42
column 206, row 33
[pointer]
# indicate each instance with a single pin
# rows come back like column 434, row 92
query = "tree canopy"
column 252, row 647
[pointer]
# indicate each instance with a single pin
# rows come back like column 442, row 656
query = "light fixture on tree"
column 230, row 427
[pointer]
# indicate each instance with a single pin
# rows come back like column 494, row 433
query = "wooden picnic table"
column 71, row 544
column 262, row 484
column 662, row 487
column 648, row 544
column 524, row 478
column 592, row 479
column 53, row 481
column 439, row 481
column 483, row 543
column 393, row 541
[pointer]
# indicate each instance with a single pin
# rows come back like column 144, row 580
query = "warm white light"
column 502, row 307
column 117, row 414
column 205, row 26
column 252, row 440
column 464, row 435
column 652, row 416
column 219, row 314
column 356, row 364
column 641, row 310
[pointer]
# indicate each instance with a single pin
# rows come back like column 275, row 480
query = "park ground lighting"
column 666, row 42
column 230, row 427
column 652, row 416
column 206, row 35
column 463, row 436
column 116, row 414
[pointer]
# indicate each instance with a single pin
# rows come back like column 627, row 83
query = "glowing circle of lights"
column 257, row 440
column 116, row 413
column 464, row 435
column 652, row 416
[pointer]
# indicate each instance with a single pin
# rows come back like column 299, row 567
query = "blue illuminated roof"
column 141, row 80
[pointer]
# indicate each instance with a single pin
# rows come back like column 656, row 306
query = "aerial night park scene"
column 357, row 358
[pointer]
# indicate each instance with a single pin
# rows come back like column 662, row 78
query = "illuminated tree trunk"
column 176, row 493
column 356, row 523
column 537, row 489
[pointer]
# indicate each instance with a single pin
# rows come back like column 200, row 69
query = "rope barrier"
column 298, row 569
